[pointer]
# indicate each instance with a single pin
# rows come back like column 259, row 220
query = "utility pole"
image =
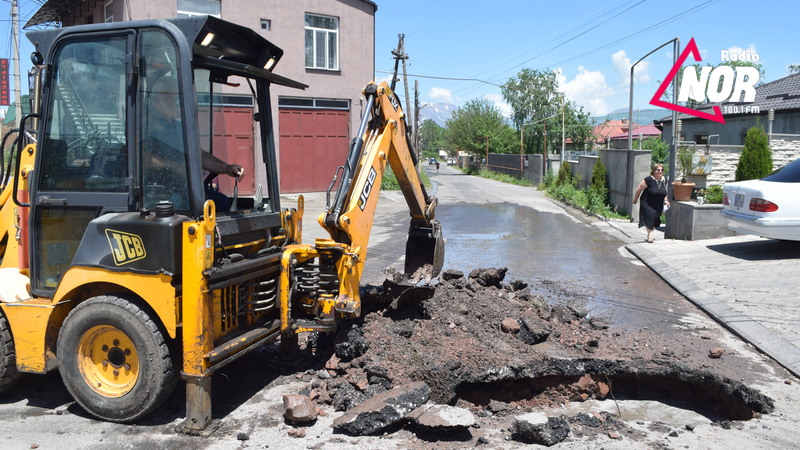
column 400, row 55
column 416, row 118
column 17, row 69
column 563, row 133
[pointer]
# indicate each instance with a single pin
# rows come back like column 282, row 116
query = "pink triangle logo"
column 656, row 100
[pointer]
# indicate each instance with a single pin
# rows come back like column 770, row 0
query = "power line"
column 444, row 78
column 575, row 36
column 640, row 32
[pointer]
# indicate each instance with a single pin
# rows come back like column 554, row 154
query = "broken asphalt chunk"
column 537, row 428
column 383, row 410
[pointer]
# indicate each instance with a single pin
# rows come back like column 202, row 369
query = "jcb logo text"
column 125, row 247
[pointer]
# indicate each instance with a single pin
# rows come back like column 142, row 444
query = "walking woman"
column 653, row 190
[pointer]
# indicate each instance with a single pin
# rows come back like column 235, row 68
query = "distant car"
column 431, row 161
column 769, row 207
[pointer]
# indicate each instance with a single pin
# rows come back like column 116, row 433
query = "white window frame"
column 331, row 63
column 108, row 11
column 188, row 13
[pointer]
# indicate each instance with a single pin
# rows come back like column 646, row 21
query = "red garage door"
column 313, row 143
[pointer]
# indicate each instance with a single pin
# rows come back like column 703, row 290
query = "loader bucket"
column 425, row 247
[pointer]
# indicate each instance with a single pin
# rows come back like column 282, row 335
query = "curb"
column 777, row 348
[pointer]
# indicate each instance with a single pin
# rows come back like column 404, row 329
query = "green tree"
column 536, row 101
column 478, row 120
column 659, row 150
column 756, row 158
column 793, row 68
column 432, row 136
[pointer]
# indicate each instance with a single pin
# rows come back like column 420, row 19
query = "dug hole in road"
column 542, row 329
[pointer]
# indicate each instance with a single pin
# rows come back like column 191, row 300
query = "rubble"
column 478, row 349
column 537, row 428
column 383, row 410
column 442, row 417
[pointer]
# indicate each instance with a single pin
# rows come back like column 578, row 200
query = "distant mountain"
column 640, row 116
column 437, row 112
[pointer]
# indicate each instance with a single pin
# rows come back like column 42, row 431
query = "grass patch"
column 588, row 200
column 389, row 181
column 502, row 177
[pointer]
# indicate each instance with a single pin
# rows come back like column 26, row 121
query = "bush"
column 714, row 194
column 599, row 184
column 756, row 158
column 564, row 174
column 549, row 180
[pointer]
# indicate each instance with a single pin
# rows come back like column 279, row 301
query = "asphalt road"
column 486, row 224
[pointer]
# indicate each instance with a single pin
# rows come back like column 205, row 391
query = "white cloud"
column 441, row 95
column 587, row 89
column 499, row 103
column 622, row 64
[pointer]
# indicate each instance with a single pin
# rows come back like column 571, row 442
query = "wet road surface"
column 560, row 254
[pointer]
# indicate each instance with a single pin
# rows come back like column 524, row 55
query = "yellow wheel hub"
column 108, row 361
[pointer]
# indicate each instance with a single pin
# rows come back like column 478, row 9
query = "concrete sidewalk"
column 746, row 283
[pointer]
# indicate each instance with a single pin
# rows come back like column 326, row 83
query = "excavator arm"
column 383, row 137
column 324, row 279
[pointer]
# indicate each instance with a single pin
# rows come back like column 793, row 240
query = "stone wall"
column 785, row 149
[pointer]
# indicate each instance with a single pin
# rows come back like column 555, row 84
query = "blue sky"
column 591, row 43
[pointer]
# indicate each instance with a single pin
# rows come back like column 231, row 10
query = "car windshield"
column 789, row 173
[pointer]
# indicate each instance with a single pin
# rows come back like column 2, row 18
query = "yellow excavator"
column 115, row 266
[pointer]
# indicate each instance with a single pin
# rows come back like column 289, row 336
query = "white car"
column 769, row 207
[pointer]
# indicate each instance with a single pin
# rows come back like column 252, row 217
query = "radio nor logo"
column 714, row 84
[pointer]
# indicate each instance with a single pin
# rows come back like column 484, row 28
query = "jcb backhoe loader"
column 116, row 269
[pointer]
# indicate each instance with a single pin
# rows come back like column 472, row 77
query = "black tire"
column 8, row 355
column 114, row 359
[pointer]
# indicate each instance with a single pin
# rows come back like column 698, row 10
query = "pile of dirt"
column 497, row 349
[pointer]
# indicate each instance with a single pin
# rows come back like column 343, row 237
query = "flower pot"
column 682, row 191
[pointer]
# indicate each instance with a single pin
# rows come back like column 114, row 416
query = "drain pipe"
column 770, row 119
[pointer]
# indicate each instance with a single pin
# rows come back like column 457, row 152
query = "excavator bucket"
column 424, row 251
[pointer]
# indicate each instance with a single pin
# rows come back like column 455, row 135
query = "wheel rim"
column 108, row 361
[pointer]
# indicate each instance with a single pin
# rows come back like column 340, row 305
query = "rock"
column 496, row 406
column 332, row 363
column 716, row 352
column 540, row 429
column 509, row 325
column 518, row 285
column 351, row 344
column 614, row 435
column 344, row 396
column 299, row 408
column 489, row 277
column 589, row 420
column 533, row 333
column 383, row 410
column 450, row 274
column 239, row 436
column 602, row 389
column 442, row 416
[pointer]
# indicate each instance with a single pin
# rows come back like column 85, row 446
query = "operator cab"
column 127, row 108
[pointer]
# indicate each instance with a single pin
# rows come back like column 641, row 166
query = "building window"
column 108, row 11
column 315, row 103
column 266, row 24
column 322, row 42
column 701, row 139
column 187, row 8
